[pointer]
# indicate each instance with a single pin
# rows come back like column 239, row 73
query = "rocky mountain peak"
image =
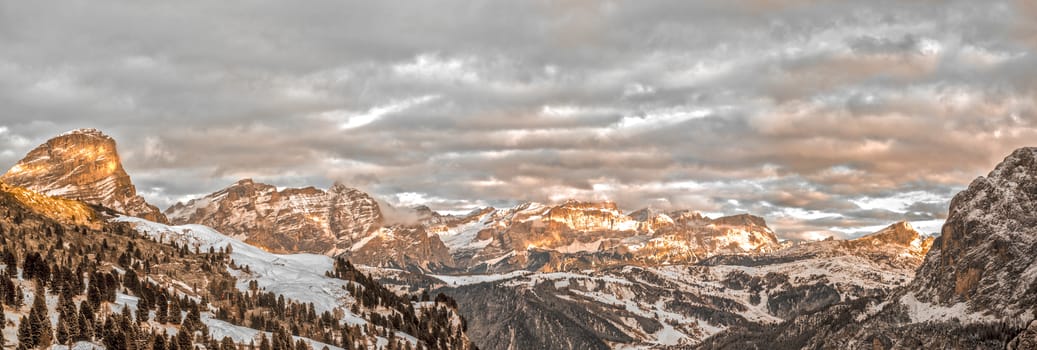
column 87, row 131
column 985, row 254
column 576, row 204
column 338, row 221
column 82, row 165
column 741, row 220
column 901, row 233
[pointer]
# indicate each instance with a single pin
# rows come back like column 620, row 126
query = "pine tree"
column 63, row 335
column 160, row 342
column 183, row 340
column 67, row 315
column 264, row 343
column 174, row 311
column 161, row 309
column 25, row 338
column 41, row 332
column 93, row 293
column 226, row 343
column 86, row 322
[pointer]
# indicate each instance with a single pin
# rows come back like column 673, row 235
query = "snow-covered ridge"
column 295, row 276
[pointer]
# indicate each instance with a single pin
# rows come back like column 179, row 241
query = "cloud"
column 825, row 117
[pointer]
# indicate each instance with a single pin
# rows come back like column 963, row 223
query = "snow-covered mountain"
column 682, row 304
column 307, row 219
column 82, row 165
column 585, row 234
column 571, row 275
column 338, row 221
column 976, row 289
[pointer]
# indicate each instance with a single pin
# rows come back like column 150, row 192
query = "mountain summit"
column 82, row 165
column 986, row 254
column 291, row 220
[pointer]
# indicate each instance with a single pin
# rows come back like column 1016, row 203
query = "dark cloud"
column 821, row 115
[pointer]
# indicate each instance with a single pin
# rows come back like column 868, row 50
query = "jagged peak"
column 741, row 220
column 86, row 131
column 900, row 232
column 578, row 204
column 1021, row 157
column 648, row 213
column 687, row 215
column 529, row 205
column 339, row 187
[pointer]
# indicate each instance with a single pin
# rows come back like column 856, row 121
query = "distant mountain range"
column 586, row 275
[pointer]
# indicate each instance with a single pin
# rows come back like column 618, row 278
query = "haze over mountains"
column 585, row 275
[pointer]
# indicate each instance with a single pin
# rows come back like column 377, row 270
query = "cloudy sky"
column 825, row 117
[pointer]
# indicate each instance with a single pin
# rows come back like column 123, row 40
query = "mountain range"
column 586, row 275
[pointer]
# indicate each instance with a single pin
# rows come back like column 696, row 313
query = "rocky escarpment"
column 290, row 220
column 338, row 221
column 81, row 165
column 578, row 235
column 899, row 246
column 987, row 253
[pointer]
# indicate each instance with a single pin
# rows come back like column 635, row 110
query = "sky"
column 824, row 117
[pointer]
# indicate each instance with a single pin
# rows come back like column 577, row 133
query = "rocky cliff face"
column 291, row 220
column 338, row 221
column 987, row 253
column 573, row 234
column 81, row 165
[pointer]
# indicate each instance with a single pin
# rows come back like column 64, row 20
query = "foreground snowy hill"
column 70, row 276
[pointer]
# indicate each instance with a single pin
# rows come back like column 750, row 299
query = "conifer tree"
column 174, row 310
column 67, row 315
column 39, row 320
column 25, row 339
column 160, row 342
column 63, row 335
column 183, row 340
column 86, row 322
column 264, row 343
column 161, row 309
column 227, row 344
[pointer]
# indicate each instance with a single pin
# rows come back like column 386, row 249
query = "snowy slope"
column 298, row 277
column 680, row 305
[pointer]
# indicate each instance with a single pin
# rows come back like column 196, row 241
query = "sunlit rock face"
column 65, row 211
column 81, row 165
column 337, row 221
column 285, row 221
column 577, row 235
